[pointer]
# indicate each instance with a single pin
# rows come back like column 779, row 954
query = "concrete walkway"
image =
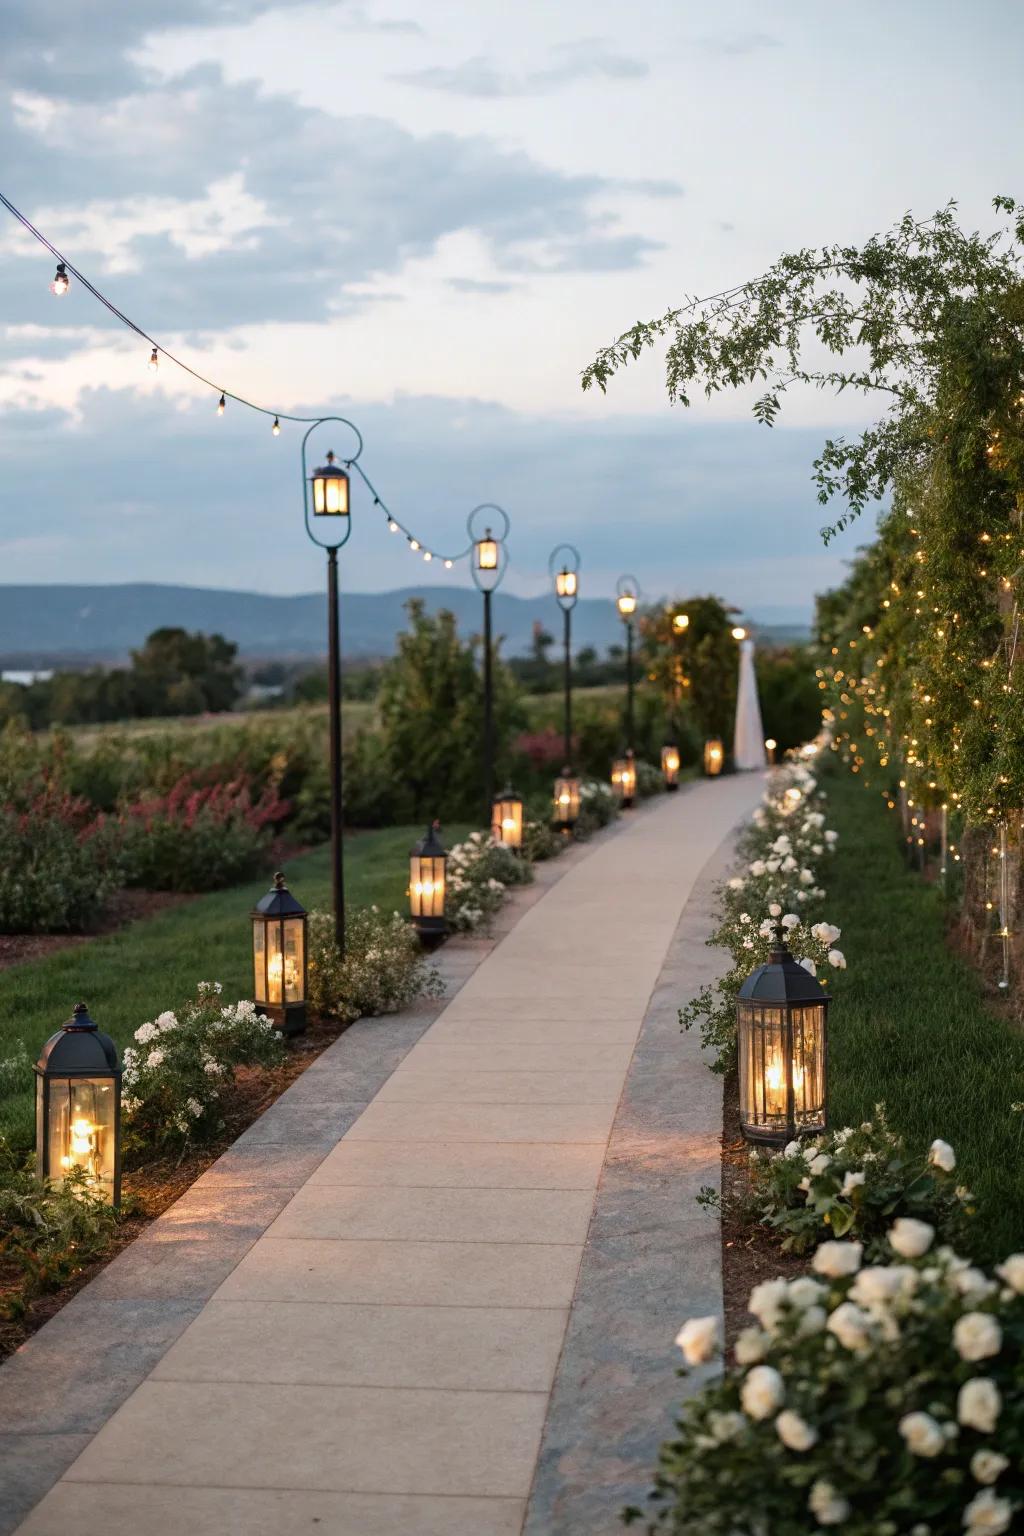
column 382, row 1359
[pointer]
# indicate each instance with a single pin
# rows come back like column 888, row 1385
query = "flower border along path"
column 382, row 1357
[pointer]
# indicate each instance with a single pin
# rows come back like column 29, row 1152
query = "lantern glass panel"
column 670, row 764
column 275, row 962
column 259, row 961
column 82, row 1118
column 426, row 886
column 507, row 821
column 624, row 778
column 567, row 800
column 330, row 493
column 782, row 1069
column 487, row 555
column 714, row 756
column 294, row 959
column 565, row 584
column 627, row 605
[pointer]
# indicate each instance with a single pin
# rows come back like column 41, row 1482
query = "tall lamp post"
column 627, row 588
column 564, row 567
column 327, row 510
column 487, row 563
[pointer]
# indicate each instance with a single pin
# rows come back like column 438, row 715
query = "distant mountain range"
column 67, row 625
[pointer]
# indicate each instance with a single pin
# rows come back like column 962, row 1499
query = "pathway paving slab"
column 438, row 1215
column 466, row 1165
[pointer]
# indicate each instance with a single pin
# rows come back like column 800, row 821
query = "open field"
column 130, row 976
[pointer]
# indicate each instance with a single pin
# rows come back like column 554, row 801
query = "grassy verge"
column 912, row 1027
column 130, row 976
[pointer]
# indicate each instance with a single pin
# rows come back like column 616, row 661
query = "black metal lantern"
column 78, row 1107
column 781, row 1018
column 427, row 868
column 714, row 756
column 567, row 800
column 279, row 958
column 670, row 766
column 624, row 779
column 486, row 556
column 330, row 490
column 507, row 819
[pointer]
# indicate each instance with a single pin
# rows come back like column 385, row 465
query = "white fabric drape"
column 748, row 742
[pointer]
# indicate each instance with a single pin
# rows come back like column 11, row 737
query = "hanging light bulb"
column 154, row 361
column 220, row 406
column 392, row 526
column 276, row 428
column 427, row 555
column 414, row 543
column 61, row 282
column 448, row 565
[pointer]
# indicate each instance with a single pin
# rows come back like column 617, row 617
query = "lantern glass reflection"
column 714, row 757
column 507, row 819
column 330, row 490
column 279, row 958
column 670, row 766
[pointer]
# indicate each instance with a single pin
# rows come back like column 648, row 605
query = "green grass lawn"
column 130, row 976
column 910, row 1024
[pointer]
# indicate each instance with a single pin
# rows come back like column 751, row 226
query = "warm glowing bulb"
column 392, row 526
column 61, row 282
column 739, row 633
column 220, row 406
column 508, row 824
column 770, row 743
column 427, row 555
column 414, row 543
column 276, row 428
column 154, row 361
column 680, row 621
column 448, row 565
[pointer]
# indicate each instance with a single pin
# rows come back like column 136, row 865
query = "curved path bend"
column 455, row 1317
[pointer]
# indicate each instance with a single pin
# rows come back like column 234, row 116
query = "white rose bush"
column 175, row 1073
column 861, row 1182
column 869, row 1398
column 784, row 850
column 480, row 871
column 384, row 968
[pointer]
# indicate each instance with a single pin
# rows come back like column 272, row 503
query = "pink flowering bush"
column 198, row 837
column 872, row 1400
column 58, row 861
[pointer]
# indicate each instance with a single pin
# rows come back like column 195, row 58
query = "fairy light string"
column 61, row 284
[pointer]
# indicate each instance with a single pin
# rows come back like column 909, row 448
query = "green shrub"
column 479, row 873
column 47, row 1233
column 383, row 970
column 175, row 1073
column 649, row 780
column 59, row 862
column 541, row 841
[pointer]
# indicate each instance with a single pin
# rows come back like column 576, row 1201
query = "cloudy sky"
column 428, row 217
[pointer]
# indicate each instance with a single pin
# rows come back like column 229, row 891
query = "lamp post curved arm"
column 488, row 562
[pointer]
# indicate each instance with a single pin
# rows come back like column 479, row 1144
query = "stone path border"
column 60, row 1388
column 653, row 1258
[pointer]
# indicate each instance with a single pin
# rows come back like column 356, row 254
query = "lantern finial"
column 279, row 884
column 80, row 1018
column 781, row 950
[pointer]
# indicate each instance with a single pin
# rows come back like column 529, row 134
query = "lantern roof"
column 508, row 793
column 79, row 1049
column 279, row 901
column 430, row 845
column 332, row 469
column 782, row 979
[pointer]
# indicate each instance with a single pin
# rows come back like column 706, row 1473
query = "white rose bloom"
column 837, row 959
column 772, row 866
column 698, row 1339
column 1012, row 1271
column 987, row 1466
column 751, row 1346
column 809, row 966
column 834, row 1260
column 922, row 1433
column 978, row 1404
column 154, row 1059
column 977, row 1336
column 744, row 917
column 820, row 1163
column 790, row 920
column 794, row 1432
column 987, row 1514
column 775, row 910
column 852, row 1181
column 758, row 868
column 766, row 1301
column 876, row 1286
column 974, row 1284
column 726, row 1426
column 801, row 895
column 805, row 1291
column 941, row 1155
column 788, row 864
column 737, row 883
column 817, row 849
column 792, row 1148
column 806, row 878
column 826, row 1505
column 812, row 1320
column 782, row 845
column 850, row 1326
column 831, row 838
column 762, row 1392
column 910, row 1238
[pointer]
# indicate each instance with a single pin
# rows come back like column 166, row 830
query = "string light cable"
column 66, row 271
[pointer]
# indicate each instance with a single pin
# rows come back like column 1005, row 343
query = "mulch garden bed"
column 148, row 1191
column 749, row 1254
